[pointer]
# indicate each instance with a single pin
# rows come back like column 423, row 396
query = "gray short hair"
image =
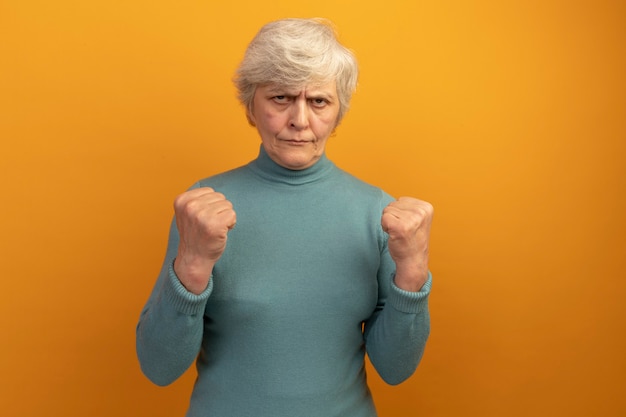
column 294, row 53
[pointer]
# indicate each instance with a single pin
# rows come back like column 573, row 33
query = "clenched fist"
column 203, row 218
column 407, row 221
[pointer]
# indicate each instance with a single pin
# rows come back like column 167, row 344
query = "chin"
column 295, row 159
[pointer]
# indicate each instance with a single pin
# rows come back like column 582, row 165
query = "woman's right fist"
column 203, row 219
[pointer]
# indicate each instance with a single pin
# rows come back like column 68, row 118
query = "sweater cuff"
column 183, row 300
column 409, row 301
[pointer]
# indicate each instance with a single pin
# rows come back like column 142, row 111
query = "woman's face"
column 294, row 124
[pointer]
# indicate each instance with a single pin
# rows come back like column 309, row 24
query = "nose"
column 299, row 115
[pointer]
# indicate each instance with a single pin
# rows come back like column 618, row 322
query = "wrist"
column 194, row 275
column 411, row 276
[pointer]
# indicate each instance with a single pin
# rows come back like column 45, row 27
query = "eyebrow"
column 321, row 94
column 278, row 90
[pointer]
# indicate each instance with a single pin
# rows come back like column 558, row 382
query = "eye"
column 280, row 99
column 318, row 102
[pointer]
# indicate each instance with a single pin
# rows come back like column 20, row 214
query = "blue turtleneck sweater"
column 303, row 290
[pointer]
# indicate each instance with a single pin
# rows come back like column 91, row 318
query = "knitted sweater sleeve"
column 396, row 333
column 170, row 328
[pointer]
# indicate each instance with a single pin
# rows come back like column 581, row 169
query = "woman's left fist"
column 407, row 221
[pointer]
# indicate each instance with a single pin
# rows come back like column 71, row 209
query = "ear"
column 250, row 118
column 250, row 115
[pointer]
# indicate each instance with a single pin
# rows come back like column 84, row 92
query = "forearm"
column 396, row 336
column 170, row 329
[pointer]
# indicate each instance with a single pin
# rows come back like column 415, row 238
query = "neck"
column 265, row 167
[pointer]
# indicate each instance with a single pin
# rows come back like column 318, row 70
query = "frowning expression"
column 295, row 123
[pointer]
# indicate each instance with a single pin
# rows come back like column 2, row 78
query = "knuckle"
column 191, row 206
column 180, row 203
column 188, row 208
column 425, row 209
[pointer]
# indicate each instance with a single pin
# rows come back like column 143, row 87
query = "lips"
column 296, row 141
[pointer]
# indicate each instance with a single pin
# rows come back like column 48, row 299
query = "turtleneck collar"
column 269, row 170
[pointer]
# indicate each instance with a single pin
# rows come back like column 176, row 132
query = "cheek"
column 271, row 121
column 325, row 127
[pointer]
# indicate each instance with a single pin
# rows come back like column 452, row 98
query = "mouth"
column 296, row 142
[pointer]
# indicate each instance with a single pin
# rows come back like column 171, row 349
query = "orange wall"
column 510, row 117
